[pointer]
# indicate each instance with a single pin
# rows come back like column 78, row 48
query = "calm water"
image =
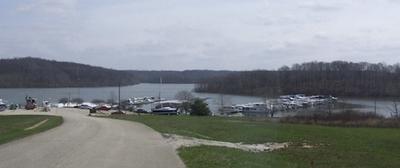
column 168, row 91
column 383, row 107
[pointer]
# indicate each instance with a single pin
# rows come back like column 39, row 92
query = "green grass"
column 12, row 126
column 336, row 146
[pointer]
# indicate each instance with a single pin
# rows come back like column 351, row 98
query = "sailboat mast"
column 159, row 92
column 119, row 96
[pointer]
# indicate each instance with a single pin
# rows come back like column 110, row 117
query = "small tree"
column 223, row 101
column 395, row 110
column 63, row 100
column 185, row 96
column 199, row 108
column 185, row 107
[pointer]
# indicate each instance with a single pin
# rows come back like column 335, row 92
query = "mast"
column 79, row 81
column 119, row 96
column 159, row 92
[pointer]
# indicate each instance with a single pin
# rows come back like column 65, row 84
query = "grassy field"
column 334, row 146
column 13, row 126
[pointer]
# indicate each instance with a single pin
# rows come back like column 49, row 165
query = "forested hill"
column 188, row 76
column 36, row 72
column 337, row 78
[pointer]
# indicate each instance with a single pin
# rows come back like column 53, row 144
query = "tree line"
column 31, row 72
column 338, row 78
column 187, row 76
column 35, row 72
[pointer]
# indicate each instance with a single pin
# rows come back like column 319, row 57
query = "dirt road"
column 88, row 142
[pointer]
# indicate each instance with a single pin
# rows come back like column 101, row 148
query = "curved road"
column 88, row 142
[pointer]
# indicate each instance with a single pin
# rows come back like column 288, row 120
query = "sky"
column 201, row 34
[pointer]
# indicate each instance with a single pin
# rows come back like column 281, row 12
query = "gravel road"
column 88, row 142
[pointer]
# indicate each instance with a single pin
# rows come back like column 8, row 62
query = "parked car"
column 104, row 107
column 87, row 106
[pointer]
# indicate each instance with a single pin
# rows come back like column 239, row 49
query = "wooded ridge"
column 36, row 72
column 338, row 78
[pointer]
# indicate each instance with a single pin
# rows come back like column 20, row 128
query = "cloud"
column 190, row 34
column 61, row 7
column 321, row 6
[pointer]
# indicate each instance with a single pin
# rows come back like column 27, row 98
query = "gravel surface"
column 89, row 142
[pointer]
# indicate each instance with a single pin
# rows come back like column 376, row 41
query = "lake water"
column 168, row 91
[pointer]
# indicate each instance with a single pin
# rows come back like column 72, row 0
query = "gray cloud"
column 200, row 34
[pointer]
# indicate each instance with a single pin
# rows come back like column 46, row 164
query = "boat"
column 254, row 108
column 30, row 103
column 165, row 111
column 165, row 107
column 71, row 105
column 46, row 106
column 169, row 107
column 143, row 100
column 230, row 110
column 3, row 106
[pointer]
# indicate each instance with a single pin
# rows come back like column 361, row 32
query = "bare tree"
column 395, row 113
column 223, row 101
column 339, row 78
column 184, row 96
column 187, row 98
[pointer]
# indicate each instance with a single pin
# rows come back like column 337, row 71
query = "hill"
column 338, row 78
column 187, row 76
column 36, row 72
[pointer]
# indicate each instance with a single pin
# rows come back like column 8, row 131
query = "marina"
column 144, row 98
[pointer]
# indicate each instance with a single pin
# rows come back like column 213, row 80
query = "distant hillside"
column 188, row 76
column 36, row 72
column 339, row 78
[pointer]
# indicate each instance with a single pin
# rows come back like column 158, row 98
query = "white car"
column 87, row 106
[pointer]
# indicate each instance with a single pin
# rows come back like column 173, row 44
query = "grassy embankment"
column 333, row 146
column 15, row 126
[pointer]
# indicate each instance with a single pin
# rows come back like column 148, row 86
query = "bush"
column 199, row 108
column 185, row 107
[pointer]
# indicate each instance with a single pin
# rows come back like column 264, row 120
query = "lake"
column 168, row 91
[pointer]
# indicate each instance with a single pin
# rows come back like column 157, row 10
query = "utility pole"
column 375, row 105
column 78, row 82
column 119, row 96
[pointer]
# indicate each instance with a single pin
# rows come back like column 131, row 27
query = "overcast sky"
column 201, row 34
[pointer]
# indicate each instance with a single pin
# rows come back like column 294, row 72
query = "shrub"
column 199, row 108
